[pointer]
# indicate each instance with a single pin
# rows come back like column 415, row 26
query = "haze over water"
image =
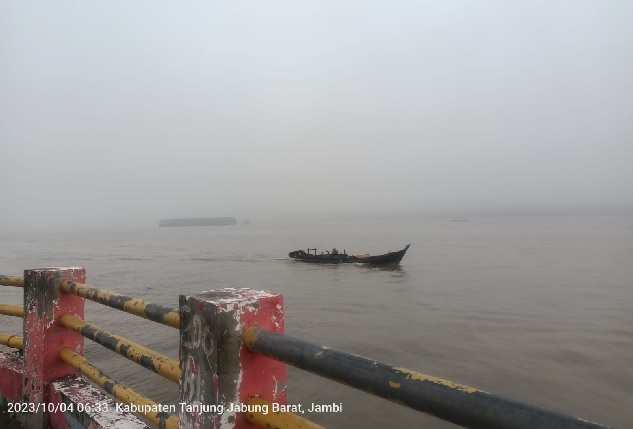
column 114, row 114
column 537, row 309
column 363, row 126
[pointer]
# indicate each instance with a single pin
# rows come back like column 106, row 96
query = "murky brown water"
column 537, row 309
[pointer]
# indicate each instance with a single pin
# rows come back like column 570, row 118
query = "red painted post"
column 11, row 377
column 241, row 374
column 43, row 336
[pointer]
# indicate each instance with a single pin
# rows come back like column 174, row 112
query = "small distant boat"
column 335, row 257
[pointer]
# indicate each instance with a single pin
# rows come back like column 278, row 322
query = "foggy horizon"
column 123, row 114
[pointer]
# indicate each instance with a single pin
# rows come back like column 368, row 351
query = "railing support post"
column 198, row 363
column 44, row 336
column 217, row 320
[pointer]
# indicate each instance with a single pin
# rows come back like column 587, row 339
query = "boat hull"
column 386, row 259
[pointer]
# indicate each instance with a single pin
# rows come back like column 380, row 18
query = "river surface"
column 537, row 309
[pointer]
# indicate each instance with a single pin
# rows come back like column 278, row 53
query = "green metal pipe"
column 459, row 404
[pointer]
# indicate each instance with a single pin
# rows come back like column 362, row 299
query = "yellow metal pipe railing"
column 161, row 364
column 12, row 310
column 11, row 281
column 282, row 420
column 13, row 341
column 137, row 353
column 155, row 413
column 138, row 307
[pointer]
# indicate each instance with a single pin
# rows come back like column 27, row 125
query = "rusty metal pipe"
column 11, row 281
column 160, row 364
column 120, row 391
column 138, row 307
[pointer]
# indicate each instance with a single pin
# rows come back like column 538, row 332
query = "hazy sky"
column 124, row 112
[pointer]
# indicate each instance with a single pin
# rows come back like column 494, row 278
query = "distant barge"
column 199, row 221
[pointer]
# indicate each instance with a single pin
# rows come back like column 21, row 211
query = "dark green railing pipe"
column 459, row 404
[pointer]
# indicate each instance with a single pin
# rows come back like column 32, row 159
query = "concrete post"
column 198, row 354
column 44, row 336
column 239, row 374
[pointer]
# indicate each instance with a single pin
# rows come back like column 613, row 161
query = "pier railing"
column 232, row 351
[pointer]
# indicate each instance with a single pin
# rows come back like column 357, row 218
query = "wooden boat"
column 387, row 258
column 335, row 257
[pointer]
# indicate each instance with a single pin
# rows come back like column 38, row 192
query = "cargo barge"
column 199, row 221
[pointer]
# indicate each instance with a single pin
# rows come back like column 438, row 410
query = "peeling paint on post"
column 86, row 407
column 198, row 363
column 241, row 373
column 44, row 336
